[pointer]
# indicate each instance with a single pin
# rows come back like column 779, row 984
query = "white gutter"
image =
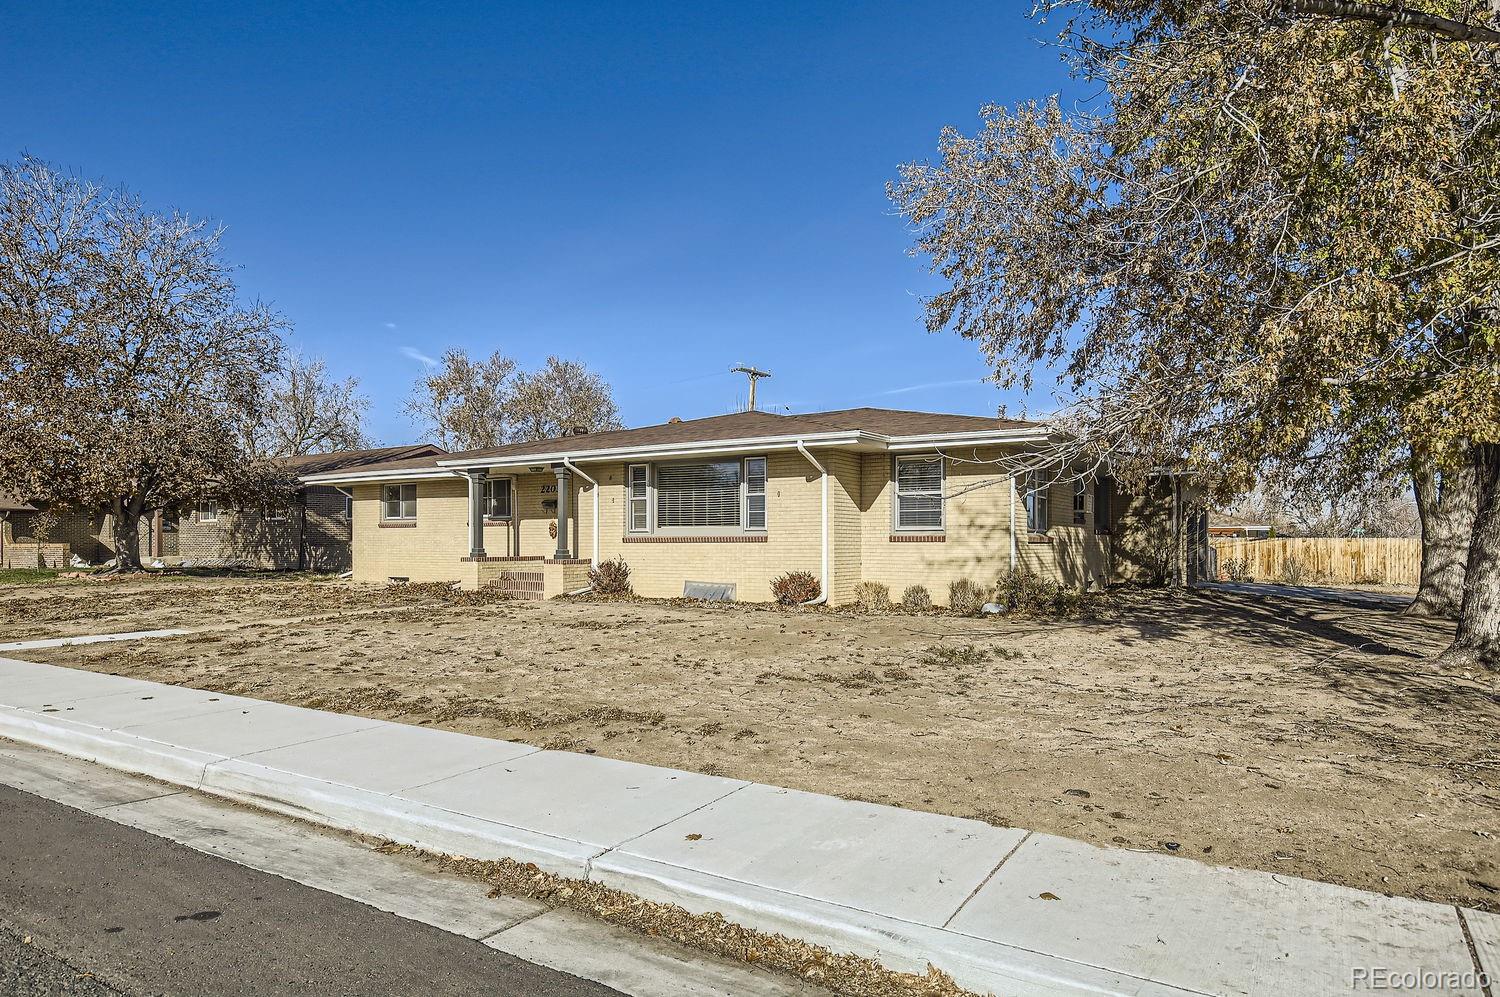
column 843, row 438
column 364, row 477
column 823, row 578
column 595, row 488
column 979, row 439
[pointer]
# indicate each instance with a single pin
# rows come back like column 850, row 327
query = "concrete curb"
column 385, row 816
column 906, row 888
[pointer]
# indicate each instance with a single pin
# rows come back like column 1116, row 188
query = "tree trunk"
column 127, row 514
column 1478, row 641
column 1445, row 506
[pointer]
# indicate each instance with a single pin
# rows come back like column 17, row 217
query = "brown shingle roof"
column 737, row 426
column 751, row 425
column 339, row 460
column 11, row 502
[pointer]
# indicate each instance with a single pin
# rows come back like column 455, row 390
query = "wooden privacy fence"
column 1320, row 560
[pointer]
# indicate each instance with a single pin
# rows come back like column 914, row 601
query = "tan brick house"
column 312, row 533
column 724, row 504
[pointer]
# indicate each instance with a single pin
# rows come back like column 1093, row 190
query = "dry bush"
column 872, row 597
column 1237, row 569
column 965, row 598
column 1023, row 591
column 610, row 577
column 916, row 599
column 1294, row 572
column 795, row 587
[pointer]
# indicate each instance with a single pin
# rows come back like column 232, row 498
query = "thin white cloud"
column 389, row 325
column 908, row 389
column 412, row 353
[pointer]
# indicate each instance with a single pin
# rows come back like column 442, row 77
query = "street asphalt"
column 91, row 907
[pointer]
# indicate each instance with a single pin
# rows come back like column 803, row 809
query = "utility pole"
column 754, row 374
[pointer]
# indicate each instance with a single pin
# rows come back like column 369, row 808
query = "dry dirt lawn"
column 1294, row 736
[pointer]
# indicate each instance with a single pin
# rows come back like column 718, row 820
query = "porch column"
column 476, row 512
column 564, row 491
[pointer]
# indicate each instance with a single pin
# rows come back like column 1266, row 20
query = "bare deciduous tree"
column 1273, row 243
column 130, row 366
column 468, row 405
column 563, row 397
column 307, row 412
column 461, row 405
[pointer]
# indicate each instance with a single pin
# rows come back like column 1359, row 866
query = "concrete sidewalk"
column 1003, row 910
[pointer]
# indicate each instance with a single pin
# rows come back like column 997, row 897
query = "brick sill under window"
column 672, row 538
column 1038, row 538
column 398, row 526
column 910, row 538
column 496, row 520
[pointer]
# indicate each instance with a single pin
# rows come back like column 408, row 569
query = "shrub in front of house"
column 610, row 577
column 1237, row 569
column 1021, row 590
column 916, row 599
column 872, row 597
column 795, row 587
column 965, row 597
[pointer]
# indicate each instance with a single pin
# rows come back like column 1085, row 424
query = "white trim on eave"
column 372, row 477
column 696, row 447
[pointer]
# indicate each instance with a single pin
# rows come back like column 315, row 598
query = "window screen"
column 755, row 493
column 698, row 495
column 1036, row 503
column 919, row 493
column 638, row 498
column 497, row 498
column 400, row 502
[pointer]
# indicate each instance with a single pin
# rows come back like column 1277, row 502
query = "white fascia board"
column 371, row 477
column 696, row 448
column 988, row 438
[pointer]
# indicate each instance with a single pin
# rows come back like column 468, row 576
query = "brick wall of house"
column 975, row 543
column 256, row 538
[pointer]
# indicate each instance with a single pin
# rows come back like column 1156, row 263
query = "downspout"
column 822, row 596
column 1012, row 522
column 594, row 486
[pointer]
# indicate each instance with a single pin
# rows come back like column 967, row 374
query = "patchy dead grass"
column 1313, row 739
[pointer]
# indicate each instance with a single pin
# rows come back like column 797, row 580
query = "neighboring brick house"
column 84, row 533
column 313, row 533
column 730, row 502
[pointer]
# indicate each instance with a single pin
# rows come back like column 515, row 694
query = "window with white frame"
column 399, row 503
column 638, row 499
column 919, row 493
column 1036, row 502
column 1080, row 495
column 755, row 493
column 497, row 498
column 208, row 510
column 699, row 495
column 348, row 506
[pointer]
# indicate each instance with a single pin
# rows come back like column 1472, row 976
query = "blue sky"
column 659, row 191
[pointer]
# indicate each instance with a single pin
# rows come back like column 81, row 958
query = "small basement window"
column 399, row 502
column 919, row 493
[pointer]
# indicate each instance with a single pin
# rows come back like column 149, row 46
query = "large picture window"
column 399, row 503
column 497, row 498
column 698, row 496
column 919, row 493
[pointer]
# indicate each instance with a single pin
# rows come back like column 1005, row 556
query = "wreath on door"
column 552, row 530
